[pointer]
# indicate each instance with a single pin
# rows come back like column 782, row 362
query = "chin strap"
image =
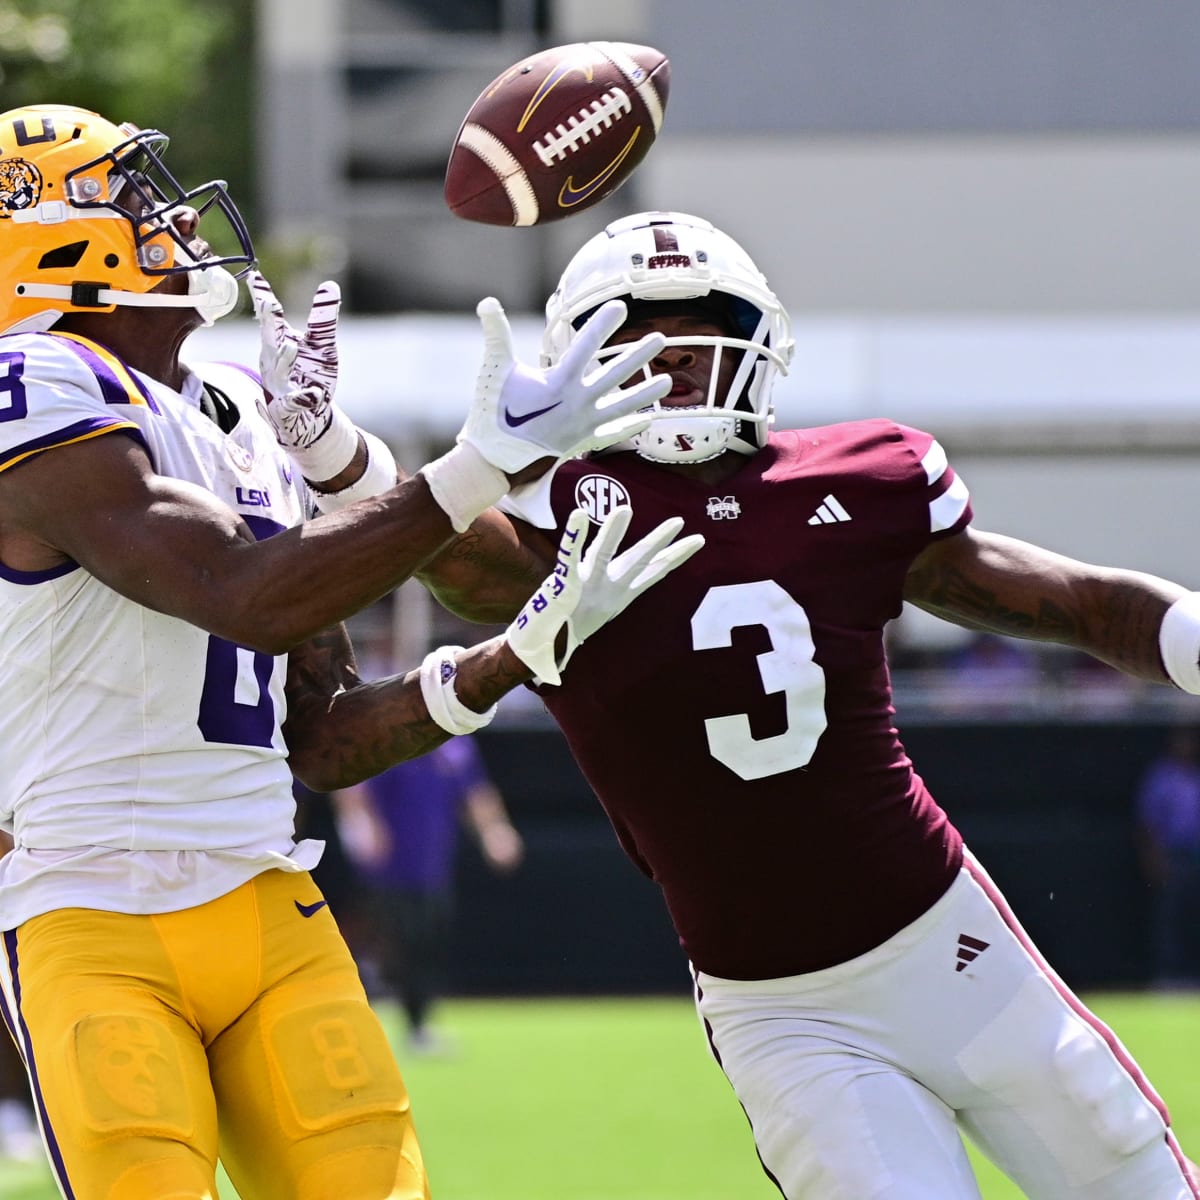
column 90, row 295
column 215, row 297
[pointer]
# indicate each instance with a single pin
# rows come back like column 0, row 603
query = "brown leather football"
column 557, row 133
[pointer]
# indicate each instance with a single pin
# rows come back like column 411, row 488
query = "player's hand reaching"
column 609, row 585
column 522, row 415
column 299, row 372
column 584, row 591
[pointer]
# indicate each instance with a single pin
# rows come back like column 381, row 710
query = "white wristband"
column 332, row 452
column 438, row 672
column 379, row 476
column 464, row 484
column 1179, row 642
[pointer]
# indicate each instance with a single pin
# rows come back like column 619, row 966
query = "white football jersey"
column 143, row 761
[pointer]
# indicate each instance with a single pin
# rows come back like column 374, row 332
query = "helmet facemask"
column 729, row 417
column 139, row 187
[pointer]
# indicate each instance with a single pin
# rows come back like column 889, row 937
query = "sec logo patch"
column 598, row 495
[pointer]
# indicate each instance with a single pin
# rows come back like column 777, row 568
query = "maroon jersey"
column 736, row 720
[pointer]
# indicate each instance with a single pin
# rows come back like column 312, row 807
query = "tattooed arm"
column 340, row 730
column 488, row 572
column 1001, row 585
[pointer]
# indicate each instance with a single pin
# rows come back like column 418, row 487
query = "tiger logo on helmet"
column 90, row 220
column 20, row 185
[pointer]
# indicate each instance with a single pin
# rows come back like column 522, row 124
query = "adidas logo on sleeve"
column 829, row 512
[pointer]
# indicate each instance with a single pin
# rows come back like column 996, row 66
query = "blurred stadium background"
column 982, row 218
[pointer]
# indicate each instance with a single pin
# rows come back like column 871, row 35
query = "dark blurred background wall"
column 1046, row 807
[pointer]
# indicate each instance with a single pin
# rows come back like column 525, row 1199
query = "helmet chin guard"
column 673, row 257
column 685, row 435
column 212, row 289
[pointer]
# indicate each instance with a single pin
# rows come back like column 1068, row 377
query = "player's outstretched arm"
column 176, row 548
column 487, row 573
column 340, row 730
column 523, row 419
column 527, row 421
column 990, row 582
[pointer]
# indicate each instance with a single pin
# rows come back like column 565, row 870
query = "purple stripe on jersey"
column 111, row 388
column 31, row 577
column 244, row 370
column 71, row 433
column 147, row 394
column 1069, row 998
column 26, row 1047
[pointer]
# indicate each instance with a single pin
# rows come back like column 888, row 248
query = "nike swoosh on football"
column 513, row 422
column 570, row 195
column 307, row 910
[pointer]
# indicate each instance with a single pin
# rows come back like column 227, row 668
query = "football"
column 557, row 133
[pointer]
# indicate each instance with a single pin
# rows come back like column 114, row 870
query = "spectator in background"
column 20, row 1141
column 1168, row 815
column 993, row 676
column 401, row 830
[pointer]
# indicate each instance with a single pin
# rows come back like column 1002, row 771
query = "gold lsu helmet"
column 86, row 223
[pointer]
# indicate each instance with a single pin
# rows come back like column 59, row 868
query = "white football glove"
column 522, row 414
column 609, row 585
column 586, row 590
column 299, row 372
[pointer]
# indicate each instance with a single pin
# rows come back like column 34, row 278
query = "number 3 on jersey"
column 789, row 667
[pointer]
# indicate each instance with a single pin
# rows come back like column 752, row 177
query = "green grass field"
column 618, row 1100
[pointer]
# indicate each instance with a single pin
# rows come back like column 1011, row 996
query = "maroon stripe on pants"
column 1081, row 1010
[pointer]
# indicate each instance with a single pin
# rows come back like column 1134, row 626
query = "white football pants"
column 857, row 1079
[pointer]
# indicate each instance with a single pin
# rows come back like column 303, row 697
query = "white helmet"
column 669, row 256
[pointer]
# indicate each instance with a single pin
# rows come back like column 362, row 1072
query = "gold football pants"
column 144, row 1035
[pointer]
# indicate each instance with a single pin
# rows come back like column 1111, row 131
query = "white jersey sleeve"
column 55, row 391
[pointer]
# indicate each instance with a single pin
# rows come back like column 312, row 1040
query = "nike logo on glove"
column 307, row 910
column 513, row 422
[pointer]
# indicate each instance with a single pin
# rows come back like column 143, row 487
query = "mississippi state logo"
column 723, row 508
column 20, row 185
column 598, row 495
